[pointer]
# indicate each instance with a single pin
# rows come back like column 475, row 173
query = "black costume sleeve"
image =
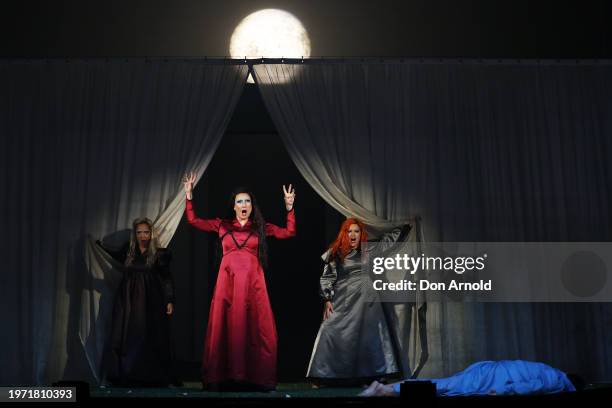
column 118, row 254
column 164, row 256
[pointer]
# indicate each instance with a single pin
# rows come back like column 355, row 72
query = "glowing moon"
column 270, row 33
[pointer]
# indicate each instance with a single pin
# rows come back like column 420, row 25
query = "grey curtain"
column 86, row 147
column 482, row 151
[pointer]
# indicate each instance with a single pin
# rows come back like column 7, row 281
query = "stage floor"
column 194, row 390
column 288, row 394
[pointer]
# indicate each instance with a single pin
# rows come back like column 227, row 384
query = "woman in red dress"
column 241, row 341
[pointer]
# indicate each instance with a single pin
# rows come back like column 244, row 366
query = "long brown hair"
column 153, row 244
column 341, row 245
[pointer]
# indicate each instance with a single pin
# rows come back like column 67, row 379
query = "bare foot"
column 377, row 389
column 386, row 391
column 369, row 391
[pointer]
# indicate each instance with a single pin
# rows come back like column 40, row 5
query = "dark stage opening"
column 252, row 154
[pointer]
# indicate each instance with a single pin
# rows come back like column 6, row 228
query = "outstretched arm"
column 280, row 232
column 118, row 254
column 397, row 234
column 389, row 240
column 192, row 218
column 199, row 223
column 289, row 230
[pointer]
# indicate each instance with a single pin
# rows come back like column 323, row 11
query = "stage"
column 288, row 394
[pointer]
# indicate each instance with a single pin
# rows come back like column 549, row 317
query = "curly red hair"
column 341, row 245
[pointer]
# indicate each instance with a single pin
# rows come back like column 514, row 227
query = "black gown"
column 139, row 351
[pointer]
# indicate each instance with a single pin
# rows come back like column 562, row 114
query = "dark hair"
column 258, row 222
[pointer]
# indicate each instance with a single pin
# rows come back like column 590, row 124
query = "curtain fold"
column 482, row 151
column 330, row 121
column 87, row 147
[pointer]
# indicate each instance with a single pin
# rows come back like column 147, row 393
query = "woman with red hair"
column 354, row 343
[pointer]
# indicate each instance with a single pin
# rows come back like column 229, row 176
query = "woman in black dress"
column 139, row 350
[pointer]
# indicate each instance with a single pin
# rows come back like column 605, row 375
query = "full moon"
column 270, row 33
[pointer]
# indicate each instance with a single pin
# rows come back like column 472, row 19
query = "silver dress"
column 355, row 341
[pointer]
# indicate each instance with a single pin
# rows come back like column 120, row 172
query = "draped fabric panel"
column 482, row 151
column 87, row 146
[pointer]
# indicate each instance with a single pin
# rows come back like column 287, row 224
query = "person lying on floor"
column 506, row 377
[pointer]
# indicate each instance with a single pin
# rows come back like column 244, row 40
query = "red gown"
column 241, row 339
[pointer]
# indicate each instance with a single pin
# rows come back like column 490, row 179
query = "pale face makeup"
column 243, row 207
column 354, row 233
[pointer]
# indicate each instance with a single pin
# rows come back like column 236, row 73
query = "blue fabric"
column 506, row 377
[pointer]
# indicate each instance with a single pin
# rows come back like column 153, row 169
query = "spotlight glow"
column 270, row 33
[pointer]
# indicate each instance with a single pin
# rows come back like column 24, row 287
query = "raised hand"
column 188, row 181
column 289, row 197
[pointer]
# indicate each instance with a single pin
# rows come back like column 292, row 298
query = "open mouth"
column 243, row 212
